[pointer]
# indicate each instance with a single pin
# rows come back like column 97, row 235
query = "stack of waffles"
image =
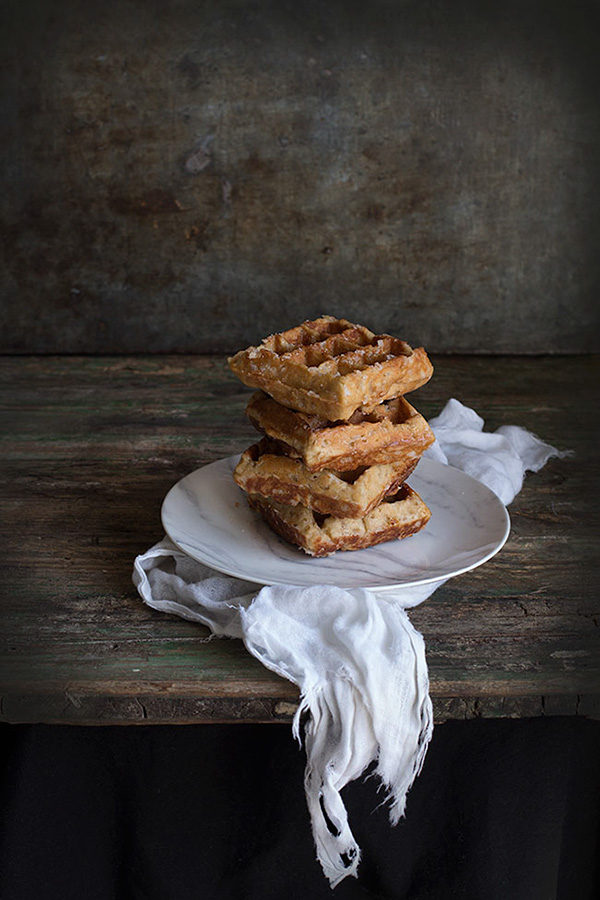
column 340, row 438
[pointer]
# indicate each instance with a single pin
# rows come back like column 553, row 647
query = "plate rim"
column 375, row 588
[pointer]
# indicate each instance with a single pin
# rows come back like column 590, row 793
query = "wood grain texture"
column 90, row 447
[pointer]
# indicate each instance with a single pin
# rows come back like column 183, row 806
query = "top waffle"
column 330, row 367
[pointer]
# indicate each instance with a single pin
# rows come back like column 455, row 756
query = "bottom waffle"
column 398, row 516
column 263, row 469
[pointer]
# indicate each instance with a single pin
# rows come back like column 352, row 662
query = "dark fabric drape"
column 503, row 809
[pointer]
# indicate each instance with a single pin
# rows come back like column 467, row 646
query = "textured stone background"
column 188, row 176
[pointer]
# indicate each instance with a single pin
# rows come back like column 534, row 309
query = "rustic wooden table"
column 91, row 446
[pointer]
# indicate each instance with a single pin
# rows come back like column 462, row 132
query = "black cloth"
column 503, row 810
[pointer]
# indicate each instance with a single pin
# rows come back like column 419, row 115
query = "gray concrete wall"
column 191, row 175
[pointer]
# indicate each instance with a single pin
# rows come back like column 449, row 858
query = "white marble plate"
column 207, row 516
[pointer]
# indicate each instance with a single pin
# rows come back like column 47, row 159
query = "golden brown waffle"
column 264, row 469
column 398, row 516
column 393, row 432
column 329, row 368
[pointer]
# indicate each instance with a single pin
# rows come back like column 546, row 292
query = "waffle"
column 398, row 516
column 393, row 432
column 329, row 368
column 264, row 469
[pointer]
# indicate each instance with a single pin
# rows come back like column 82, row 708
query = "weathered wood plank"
column 75, row 707
column 89, row 448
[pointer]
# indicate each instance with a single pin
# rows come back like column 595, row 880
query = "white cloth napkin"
column 359, row 663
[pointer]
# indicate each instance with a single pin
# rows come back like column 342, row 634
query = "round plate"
column 207, row 516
